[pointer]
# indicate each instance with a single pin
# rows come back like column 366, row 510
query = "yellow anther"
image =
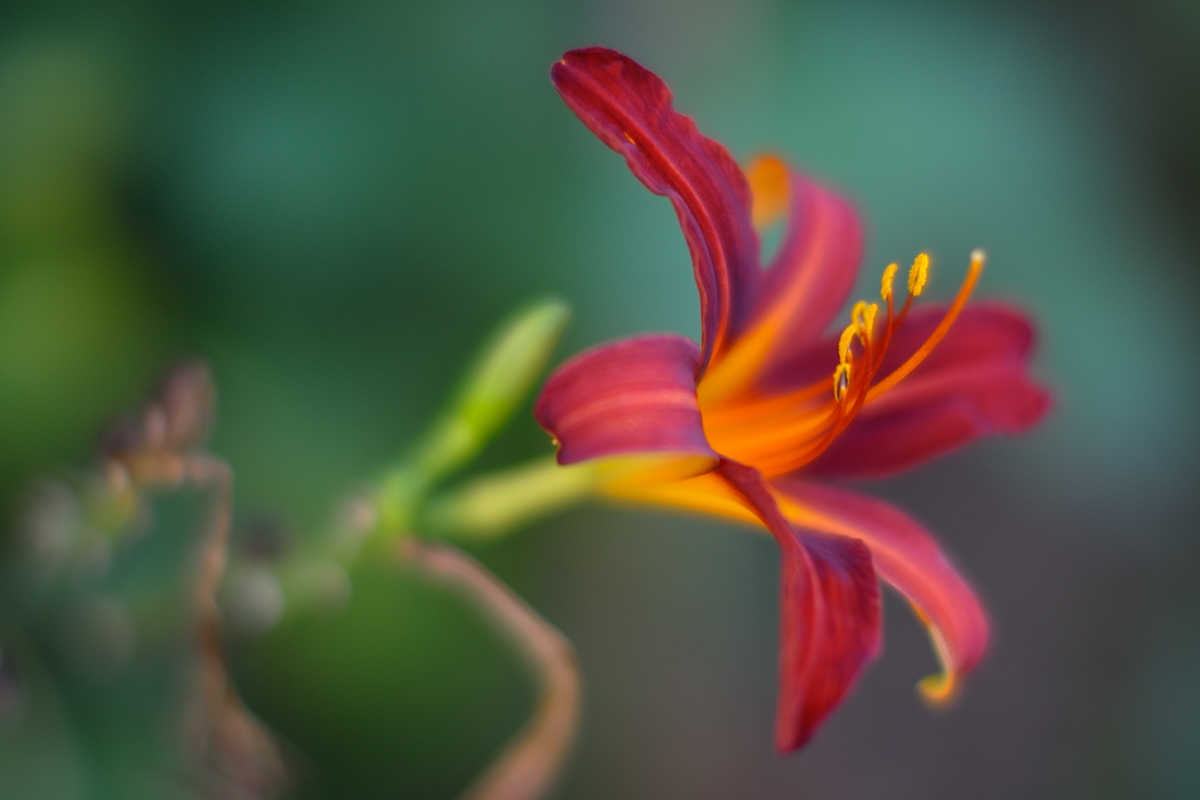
column 862, row 317
column 856, row 314
column 841, row 381
column 889, row 275
column 844, row 343
column 868, row 321
column 918, row 274
column 978, row 259
column 862, row 321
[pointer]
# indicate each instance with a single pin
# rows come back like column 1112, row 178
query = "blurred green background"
column 334, row 202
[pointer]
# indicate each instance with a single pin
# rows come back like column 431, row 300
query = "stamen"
column 889, row 326
column 844, row 343
column 853, row 396
column 862, row 324
column 780, row 434
column 867, row 323
column 862, row 320
column 978, row 259
column 841, row 380
column 841, row 375
column 856, row 313
column 889, row 275
column 918, row 274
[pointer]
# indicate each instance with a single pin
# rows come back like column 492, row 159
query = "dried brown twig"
column 163, row 449
column 527, row 768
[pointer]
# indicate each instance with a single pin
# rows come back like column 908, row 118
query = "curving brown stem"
column 527, row 768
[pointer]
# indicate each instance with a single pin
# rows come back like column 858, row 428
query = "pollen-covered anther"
column 841, row 380
column 916, row 281
column 867, row 322
column 918, row 273
column 841, row 375
column 889, row 275
column 862, row 319
column 844, row 343
column 857, row 316
column 862, row 323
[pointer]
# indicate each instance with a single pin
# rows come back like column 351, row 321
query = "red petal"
column 630, row 109
column 631, row 396
column 830, row 621
column 974, row 384
column 800, row 294
column 906, row 556
column 811, row 276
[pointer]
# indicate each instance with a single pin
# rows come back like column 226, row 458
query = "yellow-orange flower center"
column 781, row 433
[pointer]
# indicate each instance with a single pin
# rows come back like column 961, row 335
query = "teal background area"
column 333, row 203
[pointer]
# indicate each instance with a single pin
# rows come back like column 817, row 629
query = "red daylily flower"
column 747, row 423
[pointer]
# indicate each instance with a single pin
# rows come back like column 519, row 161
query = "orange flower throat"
column 781, row 433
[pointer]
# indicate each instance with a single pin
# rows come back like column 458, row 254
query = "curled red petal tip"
column 906, row 556
column 631, row 110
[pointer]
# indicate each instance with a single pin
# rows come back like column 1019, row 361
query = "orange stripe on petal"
column 800, row 294
column 705, row 494
column 627, row 475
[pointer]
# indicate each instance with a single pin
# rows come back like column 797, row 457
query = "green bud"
column 508, row 367
column 490, row 392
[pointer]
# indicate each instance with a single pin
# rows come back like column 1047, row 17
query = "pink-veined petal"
column 630, row 109
column 974, row 384
column 908, row 558
column 829, row 618
column 631, row 396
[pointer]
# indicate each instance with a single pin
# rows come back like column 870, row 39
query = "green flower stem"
column 493, row 505
column 492, row 389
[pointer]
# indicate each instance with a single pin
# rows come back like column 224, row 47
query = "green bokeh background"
column 334, row 202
